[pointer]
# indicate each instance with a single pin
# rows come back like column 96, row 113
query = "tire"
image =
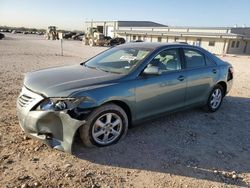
column 113, row 42
column 98, row 123
column 86, row 41
column 121, row 41
column 91, row 42
column 215, row 99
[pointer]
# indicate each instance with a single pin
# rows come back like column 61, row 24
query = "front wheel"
column 91, row 42
column 215, row 99
column 105, row 126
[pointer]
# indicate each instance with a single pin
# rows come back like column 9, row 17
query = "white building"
column 109, row 28
column 218, row 40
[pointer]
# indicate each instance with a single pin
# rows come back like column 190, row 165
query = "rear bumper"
column 229, row 85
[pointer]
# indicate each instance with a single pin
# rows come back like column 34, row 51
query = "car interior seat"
column 171, row 61
column 156, row 62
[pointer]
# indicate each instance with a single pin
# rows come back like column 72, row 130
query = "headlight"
column 58, row 104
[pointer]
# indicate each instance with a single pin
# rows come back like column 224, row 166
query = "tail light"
column 231, row 69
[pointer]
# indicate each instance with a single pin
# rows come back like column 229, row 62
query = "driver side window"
column 167, row 60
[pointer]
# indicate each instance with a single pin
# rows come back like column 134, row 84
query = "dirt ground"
column 186, row 149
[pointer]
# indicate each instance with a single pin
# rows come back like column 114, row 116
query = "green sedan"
column 125, row 85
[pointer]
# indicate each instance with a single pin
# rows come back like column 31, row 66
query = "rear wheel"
column 215, row 99
column 85, row 41
column 105, row 126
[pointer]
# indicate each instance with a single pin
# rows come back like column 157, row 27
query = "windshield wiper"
column 91, row 67
column 101, row 69
column 105, row 70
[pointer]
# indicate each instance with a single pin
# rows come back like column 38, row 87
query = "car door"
column 156, row 94
column 201, row 76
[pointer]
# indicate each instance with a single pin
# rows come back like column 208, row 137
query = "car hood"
column 63, row 81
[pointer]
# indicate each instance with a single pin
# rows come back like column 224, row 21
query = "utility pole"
column 61, row 41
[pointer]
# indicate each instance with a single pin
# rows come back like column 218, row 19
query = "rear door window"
column 210, row 62
column 167, row 60
column 194, row 58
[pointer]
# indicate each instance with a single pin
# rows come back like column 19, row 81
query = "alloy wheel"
column 216, row 98
column 107, row 128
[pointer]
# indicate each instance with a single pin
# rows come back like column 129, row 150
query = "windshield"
column 118, row 60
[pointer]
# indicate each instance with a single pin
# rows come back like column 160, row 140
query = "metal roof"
column 201, row 27
column 139, row 24
column 130, row 23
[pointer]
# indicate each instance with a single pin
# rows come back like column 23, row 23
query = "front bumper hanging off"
column 56, row 128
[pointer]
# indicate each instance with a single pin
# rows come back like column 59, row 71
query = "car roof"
column 150, row 45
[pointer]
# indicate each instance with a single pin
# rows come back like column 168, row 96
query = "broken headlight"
column 58, row 104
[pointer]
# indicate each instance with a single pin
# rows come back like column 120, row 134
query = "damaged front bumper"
column 56, row 128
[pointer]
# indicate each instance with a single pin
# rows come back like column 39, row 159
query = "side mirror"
column 152, row 70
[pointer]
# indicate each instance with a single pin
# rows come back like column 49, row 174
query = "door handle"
column 214, row 71
column 181, row 78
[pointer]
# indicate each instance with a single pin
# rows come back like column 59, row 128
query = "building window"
column 159, row 39
column 237, row 44
column 211, row 43
column 139, row 37
column 134, row 37
column 233, row 44
column 176, row 39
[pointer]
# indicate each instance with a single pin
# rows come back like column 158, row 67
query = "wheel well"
column 121, row 104
column 125, row 107
column 224, row 86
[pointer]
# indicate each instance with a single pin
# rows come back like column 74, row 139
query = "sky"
column 71, row 14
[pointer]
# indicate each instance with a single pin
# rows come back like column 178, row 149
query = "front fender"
column 96, row 97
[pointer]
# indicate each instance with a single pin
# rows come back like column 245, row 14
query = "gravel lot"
column 185, row 149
